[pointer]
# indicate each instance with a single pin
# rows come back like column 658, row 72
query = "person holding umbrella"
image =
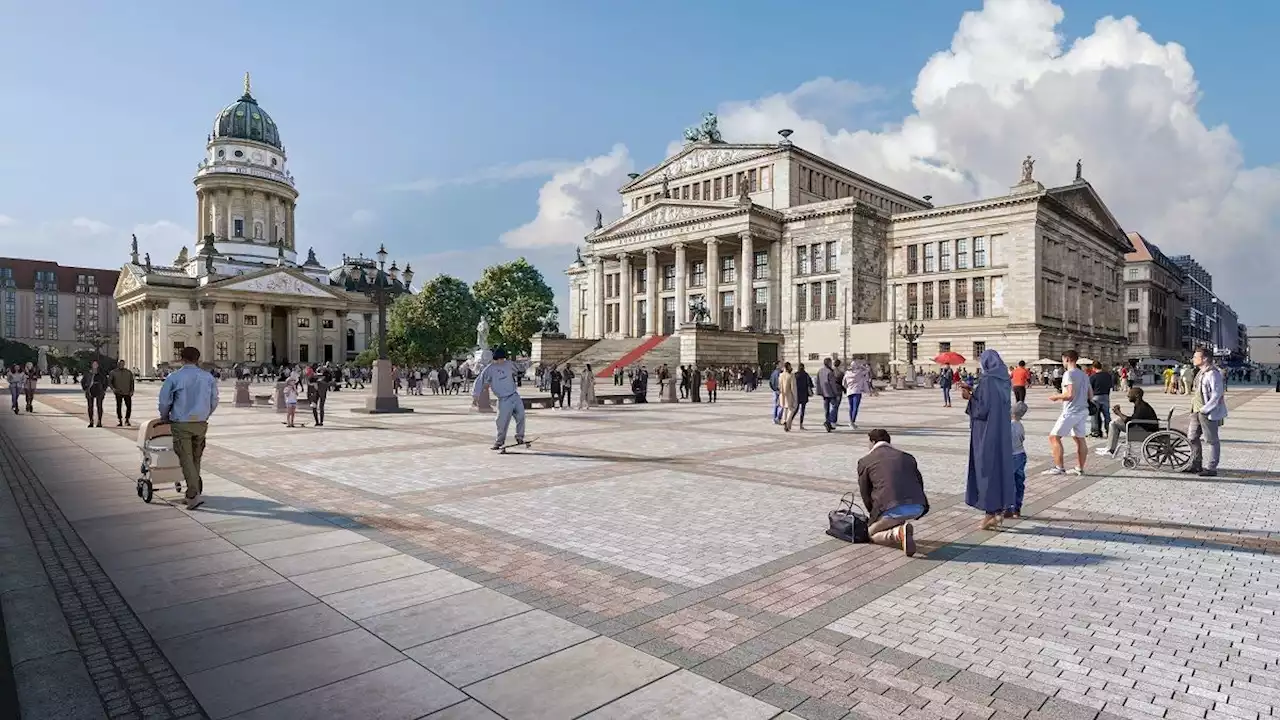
column 946, row 378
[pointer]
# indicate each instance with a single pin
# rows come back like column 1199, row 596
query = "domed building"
column 241, row 295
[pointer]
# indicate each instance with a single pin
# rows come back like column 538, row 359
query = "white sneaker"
column 1102, row 451
column 1077, row 471
column 1054, row 471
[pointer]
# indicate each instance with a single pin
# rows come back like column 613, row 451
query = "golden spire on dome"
column 246, row 82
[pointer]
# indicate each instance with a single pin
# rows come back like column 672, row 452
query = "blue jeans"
column 855, row 401
column 800, row 412
column 777, row 406
column 1019, row 480
column 1104, row 408
column 946, row 394
column 830, row 409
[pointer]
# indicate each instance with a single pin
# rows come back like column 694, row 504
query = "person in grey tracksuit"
column 500, row 376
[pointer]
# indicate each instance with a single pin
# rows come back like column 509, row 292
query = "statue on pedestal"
column 1028, row 166
column 483, row 356
column 42, row 360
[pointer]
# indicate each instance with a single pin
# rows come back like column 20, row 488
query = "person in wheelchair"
column 1139, row 425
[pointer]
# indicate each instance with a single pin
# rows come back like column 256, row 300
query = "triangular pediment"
column 1081, row 199
column 664, row 212
column 276, row 281
column 127, row 282
column 697, row 157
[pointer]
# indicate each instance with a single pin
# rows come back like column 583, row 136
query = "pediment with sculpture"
column 126, row 283
column 1082, row 200
column 698, row 157
column 278, row 282
column 665, row 213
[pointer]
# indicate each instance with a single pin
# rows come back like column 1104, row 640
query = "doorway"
column 668, row 316
column 279, row 336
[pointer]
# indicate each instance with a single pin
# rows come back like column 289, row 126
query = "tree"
column 366, row 358
column 436, row 324
column 516, row 300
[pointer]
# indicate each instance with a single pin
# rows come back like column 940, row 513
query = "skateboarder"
column 499, row 376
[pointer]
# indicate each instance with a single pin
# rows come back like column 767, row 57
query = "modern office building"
column 59, row 307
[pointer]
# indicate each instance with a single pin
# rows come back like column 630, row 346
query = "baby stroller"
column 1164, row 448
column 160, row 464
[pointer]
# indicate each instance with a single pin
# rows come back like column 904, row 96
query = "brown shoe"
column 908, row 539
column 991, row 522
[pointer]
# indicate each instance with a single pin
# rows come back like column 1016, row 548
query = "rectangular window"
column 715, row 188
column 1133, row 337
column 726, row 309
column 699, row 273
column 944, row 256
column 927, row 291
column 237, row 227
column 831, row 300
column 304, row 353
column 765, row 178
column 642, row 279
column 831, row 256
column 684, row 192
column 944, row 347
column 979, row 347
column 220, row 349
column 802, row 260
column 761, row 271
column 697, row 191
column 962, row 254
column 1133, row 316
column 706, row 189
column 979, row 297
column 251, row 320
column 668, row 277
column 929, row 265
column 753, row 181
column 327, row 323
column 1132, row 273
column 251, row 351
column 913, row 259
column 221, row 318
column 815, row 300
column 177, row 350
column 913, row 301
column 962, row 298
column 944, row 299
column 816, row 258
column 728, row 271
column 174, row 318
column 304, row 322
column 979, row 252
column 802, row 303
column 1133, row 295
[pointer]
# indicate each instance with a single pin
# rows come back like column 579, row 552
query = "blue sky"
column 107, row 106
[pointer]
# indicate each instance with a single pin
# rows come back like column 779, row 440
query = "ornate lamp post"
column 382, row 285
column 910, row 332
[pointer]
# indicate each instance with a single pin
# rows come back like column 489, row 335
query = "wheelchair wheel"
column 1167, row 450
column 1130, row 462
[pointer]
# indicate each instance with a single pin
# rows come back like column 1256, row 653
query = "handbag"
column 848, row 522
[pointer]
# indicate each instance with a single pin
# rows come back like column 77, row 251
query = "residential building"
column 56, row 306
column 1198, row 310
column 1152, row 302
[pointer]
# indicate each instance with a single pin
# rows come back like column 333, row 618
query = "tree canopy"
column 517, row 300
column 433, row 325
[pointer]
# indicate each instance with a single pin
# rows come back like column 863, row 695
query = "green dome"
column 245, row 120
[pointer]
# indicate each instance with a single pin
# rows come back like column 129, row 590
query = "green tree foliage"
column 366, row 358
column 435, row 325
column 13, row 352
column 517, row 300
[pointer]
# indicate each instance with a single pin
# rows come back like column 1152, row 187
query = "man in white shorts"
column 1074, row 420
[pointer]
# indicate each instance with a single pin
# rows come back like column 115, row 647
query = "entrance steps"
column 612, row 353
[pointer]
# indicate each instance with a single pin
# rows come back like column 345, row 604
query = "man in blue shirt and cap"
column 500, row 376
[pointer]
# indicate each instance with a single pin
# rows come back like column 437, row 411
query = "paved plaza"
column 654, row 561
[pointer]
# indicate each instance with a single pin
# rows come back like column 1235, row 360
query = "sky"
column 464, row 134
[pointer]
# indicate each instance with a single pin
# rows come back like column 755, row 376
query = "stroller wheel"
column 139, row 486
column 147, row 491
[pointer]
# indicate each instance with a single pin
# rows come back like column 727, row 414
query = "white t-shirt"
column 1079, row 402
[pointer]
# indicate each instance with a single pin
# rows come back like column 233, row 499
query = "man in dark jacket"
column 1140, row 424
column 317, row 394
column 1101, row 382
column 121, row 381
column 893, row 492
column 829, row 389
column 94, row 384
column 804, row 388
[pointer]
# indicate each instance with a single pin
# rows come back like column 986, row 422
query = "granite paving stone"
column 684, row 695
column 424, row 622
column 489, row 649
column 383, row 597
column 402, row 691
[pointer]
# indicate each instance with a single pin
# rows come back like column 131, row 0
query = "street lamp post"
column 382, row 286
column 911, row 332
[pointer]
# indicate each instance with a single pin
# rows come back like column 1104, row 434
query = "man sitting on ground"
column 892, row 491
column 1142, row 422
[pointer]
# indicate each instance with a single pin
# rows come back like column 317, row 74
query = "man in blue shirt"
column 774, row 377
column 500, row 376
column 187, row 398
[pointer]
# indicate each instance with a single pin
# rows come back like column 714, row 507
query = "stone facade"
column 787, row 245
column 1153, row 302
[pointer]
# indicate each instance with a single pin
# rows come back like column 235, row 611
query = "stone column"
column 290, row 227
column 237, row 343
column 597, row 293
column 628, row 301
column 713, row 280
column 291, row 344
column 206, row 331
column 200, row 214
column 317, row 351
column 148, row 337
column 264, row 349
column 746, row 268
column 682, row 302
column 340, row 350
column 651, row 322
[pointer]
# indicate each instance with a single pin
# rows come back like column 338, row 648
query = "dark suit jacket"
column 888, row 478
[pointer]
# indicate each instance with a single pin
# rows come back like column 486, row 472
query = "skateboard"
column 527, row 443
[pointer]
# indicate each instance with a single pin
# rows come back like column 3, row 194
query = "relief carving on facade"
column 127, row 283
column 279, row 283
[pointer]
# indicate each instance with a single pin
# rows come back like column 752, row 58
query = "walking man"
column 94, row 384
column 1019, row 377
column 1208, row 410
column 498, row 375
column 1074, row 420
column 121, row 381
column 187, row 398
column 829, row 389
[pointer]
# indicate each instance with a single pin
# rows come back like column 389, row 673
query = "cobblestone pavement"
column 694, row 535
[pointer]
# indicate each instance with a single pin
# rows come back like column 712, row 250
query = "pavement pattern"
column 652, row 561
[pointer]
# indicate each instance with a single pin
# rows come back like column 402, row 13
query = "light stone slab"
column 433, row 620
column 384, row 597
column 325, row 559
column 403, row 691
column 229, row 643
column 490, row 649
column 355, row 575
column 683, row 695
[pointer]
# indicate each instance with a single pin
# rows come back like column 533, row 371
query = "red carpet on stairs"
column 632, row 356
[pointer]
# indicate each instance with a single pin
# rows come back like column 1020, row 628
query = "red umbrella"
column 949, row 358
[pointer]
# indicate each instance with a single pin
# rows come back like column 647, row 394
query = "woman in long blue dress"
column 990, row 486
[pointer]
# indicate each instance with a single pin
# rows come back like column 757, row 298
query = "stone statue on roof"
column 182, row 257
column 1079, row 170
column 1028, row 166
column 666, row 187
column 133, row 250
column 708, row 131
column 208, row 263
column 599, row 219
column 147, row 262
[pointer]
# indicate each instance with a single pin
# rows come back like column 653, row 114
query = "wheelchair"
column 1164, row 448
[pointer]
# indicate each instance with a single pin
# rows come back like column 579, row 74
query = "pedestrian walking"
column 94, row 385
column 990, row 484
column 188, row 398
column 121, row 381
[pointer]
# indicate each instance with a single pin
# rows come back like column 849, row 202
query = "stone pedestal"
column 671, row 393
column 482, row 403
column 384, row 398
column 280, row 408
column 242, row 394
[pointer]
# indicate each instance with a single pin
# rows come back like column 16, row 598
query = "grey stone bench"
column 538, row 402
column 618, row 399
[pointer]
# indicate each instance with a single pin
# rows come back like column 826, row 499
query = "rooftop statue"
column 709, row 131
column 1028, row 166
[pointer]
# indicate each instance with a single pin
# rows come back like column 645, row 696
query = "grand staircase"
column 609, row 354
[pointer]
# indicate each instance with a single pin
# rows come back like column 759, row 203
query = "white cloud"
column 84, row 242
column 6, row 221
column 162, row 239
column 363, row 217
column 1008, row 86
column 495, row 174
column 93, row 227
column 567, row 203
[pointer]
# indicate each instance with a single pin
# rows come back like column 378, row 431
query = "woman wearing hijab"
column 990, row 486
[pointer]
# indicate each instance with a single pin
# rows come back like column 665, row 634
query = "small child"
column 1019, row 459
column 290, row 399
